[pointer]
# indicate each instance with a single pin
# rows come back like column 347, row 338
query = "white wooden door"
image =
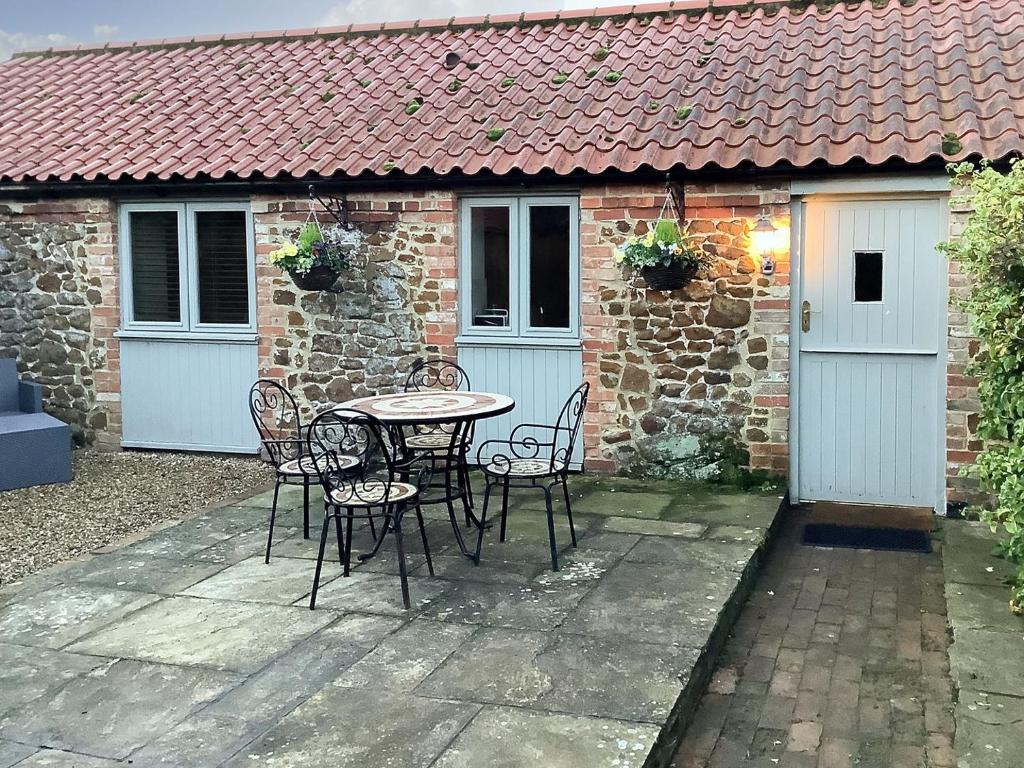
column 871, row 324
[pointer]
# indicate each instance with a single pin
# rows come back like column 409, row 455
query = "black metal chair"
column 276, row 416
column 534, row 456
column 434, row 441
column 333, row 439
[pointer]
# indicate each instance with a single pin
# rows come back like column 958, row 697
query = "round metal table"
column 457, row 412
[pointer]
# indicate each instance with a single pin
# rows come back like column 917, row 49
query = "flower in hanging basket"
column 666, row 256
column 318, row 254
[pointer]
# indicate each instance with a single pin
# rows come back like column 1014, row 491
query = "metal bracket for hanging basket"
column 335, row 205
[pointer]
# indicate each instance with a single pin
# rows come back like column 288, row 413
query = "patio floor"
column 184, row 649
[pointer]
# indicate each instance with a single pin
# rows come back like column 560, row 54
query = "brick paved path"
column 838, row 659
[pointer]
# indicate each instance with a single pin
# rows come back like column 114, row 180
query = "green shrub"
column 990, row 251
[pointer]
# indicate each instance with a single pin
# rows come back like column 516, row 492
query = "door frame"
column 832, row 190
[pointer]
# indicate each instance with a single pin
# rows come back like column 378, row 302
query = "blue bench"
column 35, row 448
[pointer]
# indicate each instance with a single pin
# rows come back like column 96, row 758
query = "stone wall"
column 59, row 309
column 672, row 373
column 678, row 374
column 397, row 302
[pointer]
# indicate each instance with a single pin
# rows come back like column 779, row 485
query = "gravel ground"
column 113, row 495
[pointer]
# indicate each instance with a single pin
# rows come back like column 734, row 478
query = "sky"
column 35, row 24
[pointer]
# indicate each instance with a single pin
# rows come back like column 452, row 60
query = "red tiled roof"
column 658, row 86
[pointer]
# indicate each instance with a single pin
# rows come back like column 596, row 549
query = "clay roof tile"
column 660, row 86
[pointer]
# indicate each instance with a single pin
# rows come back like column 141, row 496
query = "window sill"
column 560, row 342
column 245, row 337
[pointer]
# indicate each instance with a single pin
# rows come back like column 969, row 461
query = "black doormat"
column 855, row 537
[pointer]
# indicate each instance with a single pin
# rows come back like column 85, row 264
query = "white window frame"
column 519, row 327
column 188, row 271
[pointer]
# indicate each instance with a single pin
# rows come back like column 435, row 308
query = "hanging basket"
column 669, row 278
column 318, row 278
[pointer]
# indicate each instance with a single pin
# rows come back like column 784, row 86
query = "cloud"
column 104, row 32
column 11, row 42
column 362, row 11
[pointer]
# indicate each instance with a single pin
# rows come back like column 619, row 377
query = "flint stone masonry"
column 395, row 304
column 678, row 371
column 59, row 308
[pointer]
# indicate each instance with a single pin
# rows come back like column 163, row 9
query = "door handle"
column 805, row 316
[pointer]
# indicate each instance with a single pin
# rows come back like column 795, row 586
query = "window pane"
column 156, row 292
column 867, row 276
column 489, row 265
column 549, row 266
column 223, row 266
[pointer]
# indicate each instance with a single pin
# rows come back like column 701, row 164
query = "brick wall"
column 962, row 406
column 675, row 372
column 395, row 304
column 59, row 309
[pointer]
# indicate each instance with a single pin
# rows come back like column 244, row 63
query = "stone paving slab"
column 515, row 738
column 143, row 573
column 60, row 615
column 987, row 655
column 253, row 580
column 185, row 649
column 975, row 658
column 11, row 753
column 654, row 603
column 235, row 636
column 28, row 673
column 55, row 758
column 360, row 727
column 989, row 730
column 115, row 709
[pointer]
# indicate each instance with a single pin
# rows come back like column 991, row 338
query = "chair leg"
column 373, row 527
column 568, row 509
column 551, row 528
column 400, row 547
column 483, row 521
column 320, row 558
column 347, row 565
column 341, row 541
column 504, row 508
column 423, row 535
column 273, row 515
column 305, row 507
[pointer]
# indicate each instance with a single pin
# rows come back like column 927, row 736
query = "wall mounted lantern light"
column 763, row 238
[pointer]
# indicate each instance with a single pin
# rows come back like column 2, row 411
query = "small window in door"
column 867, row 276
column 155, row 267
column 490, row 241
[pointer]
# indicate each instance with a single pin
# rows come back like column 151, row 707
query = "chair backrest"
column 276, row 416
column 437, row 375
column 8, row 384
column 567, row 427
column 338, row 435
